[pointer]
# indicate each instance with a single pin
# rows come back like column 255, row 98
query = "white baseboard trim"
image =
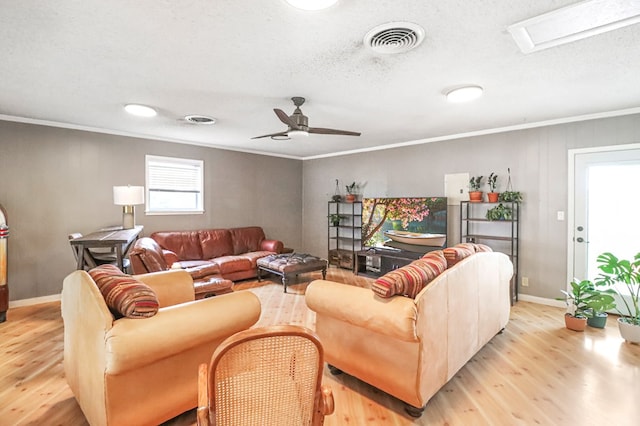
column 542, row 301
column 34, row 301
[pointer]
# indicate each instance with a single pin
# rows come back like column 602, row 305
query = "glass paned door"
column 606, row 208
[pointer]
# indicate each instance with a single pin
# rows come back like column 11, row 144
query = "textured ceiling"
column 76, row 63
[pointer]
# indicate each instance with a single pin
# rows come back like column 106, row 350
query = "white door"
column 606, row 207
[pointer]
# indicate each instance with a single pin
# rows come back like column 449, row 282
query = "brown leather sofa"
column 208, row 255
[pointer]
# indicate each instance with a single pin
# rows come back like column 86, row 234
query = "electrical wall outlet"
column 525, row 282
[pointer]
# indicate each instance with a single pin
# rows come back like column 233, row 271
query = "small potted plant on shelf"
column 510, row 196
column 475, row 195
column 335, row 219
column 351, row 192
column 500, row 212
column 336, row 195
column 623, row 277
column 492, row 182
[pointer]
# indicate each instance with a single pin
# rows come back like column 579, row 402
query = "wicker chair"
column 265, row 376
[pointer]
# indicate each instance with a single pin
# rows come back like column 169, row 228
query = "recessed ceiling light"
column 312, row 4
column 574, row 22
column 140, row 110
column 464, row 94
column 199, row 119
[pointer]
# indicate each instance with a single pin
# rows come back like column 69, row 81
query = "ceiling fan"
column 298, row 124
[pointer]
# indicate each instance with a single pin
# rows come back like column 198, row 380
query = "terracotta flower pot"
column 350, row 198
column 475, row 196
column 493, row 197
column 575, row 323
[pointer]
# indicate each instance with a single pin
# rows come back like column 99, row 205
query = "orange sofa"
column 411, row 347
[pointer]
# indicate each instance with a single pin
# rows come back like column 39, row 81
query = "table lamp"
column 128, row 197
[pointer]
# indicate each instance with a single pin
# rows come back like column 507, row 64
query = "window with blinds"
column 174, row 185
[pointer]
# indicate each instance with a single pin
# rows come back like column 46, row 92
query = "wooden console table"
column 118, row 239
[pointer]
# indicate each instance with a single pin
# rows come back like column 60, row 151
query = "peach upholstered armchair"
column 265, row 376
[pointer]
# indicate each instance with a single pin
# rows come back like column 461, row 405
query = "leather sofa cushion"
column 412, row 278
column 149, row 253
column 215, row 243
column 185, row 244
column 202, row 271
column 125, row 295
column 255, row 255
column 247, row 239
column 230, row 264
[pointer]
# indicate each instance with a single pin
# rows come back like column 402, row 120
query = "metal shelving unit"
column 344, row 240
column 500, row 235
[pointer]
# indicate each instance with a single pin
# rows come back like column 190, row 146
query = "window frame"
column 198, row 164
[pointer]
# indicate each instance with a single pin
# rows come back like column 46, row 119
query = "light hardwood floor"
column 536, row 372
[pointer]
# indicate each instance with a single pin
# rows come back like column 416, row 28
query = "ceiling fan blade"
column 285, row 118
column 322, row 131
column 285, row 133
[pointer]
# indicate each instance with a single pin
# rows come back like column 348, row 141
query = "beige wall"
column 538, row 162
column 55, row 181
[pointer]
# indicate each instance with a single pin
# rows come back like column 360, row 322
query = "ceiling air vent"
column 199, row 119
column 394, row 37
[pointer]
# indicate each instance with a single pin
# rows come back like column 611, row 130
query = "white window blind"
column 174, row 185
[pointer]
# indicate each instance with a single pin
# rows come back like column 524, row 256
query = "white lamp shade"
column 128, row 195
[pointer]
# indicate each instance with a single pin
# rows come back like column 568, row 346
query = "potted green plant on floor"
column 597, row 307
column 623, row 277
column 576, row 316
column 475, row 195
column 492, row 182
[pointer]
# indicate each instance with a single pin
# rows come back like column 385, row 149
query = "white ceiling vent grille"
column 394, row 37
column 199, row 119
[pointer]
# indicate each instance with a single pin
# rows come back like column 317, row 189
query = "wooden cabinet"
column 345, row 238
column 500, row 235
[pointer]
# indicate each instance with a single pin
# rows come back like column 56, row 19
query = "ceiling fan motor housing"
column 301, row 120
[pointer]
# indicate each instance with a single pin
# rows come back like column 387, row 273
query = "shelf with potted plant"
column 497, row 226
column 344, row 232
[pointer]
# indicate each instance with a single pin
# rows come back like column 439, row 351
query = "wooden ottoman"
column 285, row 265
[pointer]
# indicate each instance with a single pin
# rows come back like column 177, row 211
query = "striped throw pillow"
column 458, row 252
column 412, row 278
column 125, row 296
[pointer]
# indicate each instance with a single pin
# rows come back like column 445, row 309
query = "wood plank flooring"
column 535, row 373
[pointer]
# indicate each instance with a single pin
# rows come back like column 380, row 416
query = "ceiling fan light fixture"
column 280, row 138
column 295, row 134
column 312, row 4
column 140, row 110
column 464, row 94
